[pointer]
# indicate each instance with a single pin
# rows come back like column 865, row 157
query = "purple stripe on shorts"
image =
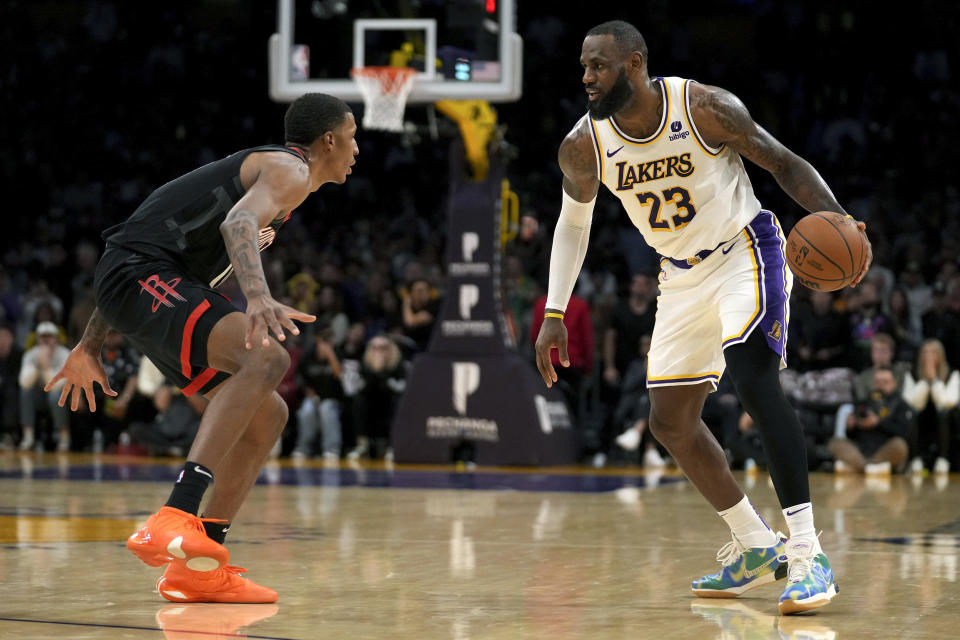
column 774, row 296
column 760, row 256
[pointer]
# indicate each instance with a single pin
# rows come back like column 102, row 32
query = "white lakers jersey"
column 683, row 196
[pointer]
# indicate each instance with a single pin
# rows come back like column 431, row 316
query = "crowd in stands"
column 144, row 96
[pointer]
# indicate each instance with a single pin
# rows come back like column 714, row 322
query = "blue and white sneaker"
column 810, row 580
column 744, row 568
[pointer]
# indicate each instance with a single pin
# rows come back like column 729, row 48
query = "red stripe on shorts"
column 188, row 337
column 201, row 380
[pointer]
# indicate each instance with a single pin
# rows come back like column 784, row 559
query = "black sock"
column 217, row 530
column 755, row 371
column 188, row 491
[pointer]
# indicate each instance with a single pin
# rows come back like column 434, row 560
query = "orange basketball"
column 826, row 250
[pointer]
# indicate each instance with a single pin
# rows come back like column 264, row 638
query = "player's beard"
column 615, row 99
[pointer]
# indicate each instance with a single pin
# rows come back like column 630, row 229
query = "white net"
column 385, row 91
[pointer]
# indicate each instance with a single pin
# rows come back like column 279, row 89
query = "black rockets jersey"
column 180, row 221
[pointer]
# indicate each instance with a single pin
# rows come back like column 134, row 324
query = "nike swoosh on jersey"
column 610, row 154
column 726, row 250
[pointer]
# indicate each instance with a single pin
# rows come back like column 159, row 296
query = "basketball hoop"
column 385, row 91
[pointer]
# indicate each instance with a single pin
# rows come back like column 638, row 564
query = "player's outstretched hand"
column 866, row 263
column 80, row 371
column 553, row 335
column 264, row 314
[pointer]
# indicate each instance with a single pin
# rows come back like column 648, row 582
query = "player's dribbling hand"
column 264, row 314
column 553, row 335
column 80, row 371
column 866, row 263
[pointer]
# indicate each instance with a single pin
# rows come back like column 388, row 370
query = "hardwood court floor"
column 431, row 552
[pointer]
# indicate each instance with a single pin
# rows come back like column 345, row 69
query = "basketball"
column 826, row 250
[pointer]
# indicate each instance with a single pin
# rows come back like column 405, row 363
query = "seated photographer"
column 883, row 350
column 876, row 432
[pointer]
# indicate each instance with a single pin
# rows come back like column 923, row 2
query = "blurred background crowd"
column 107, row 100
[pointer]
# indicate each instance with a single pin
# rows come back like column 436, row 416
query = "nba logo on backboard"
column 299, row 62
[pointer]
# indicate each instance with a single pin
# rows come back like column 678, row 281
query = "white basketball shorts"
column 742, row 286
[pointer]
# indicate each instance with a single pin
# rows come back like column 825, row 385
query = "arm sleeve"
column 569, row 248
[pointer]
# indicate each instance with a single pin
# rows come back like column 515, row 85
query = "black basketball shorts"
column 164, row 313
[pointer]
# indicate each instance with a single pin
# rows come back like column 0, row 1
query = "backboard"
column 462, row 49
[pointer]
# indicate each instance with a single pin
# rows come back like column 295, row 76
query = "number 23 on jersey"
column 679, row 198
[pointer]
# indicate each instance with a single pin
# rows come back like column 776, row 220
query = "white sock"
column 747, row 525
column 800, row 523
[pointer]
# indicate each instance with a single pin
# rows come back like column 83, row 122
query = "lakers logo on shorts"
column 776, row 332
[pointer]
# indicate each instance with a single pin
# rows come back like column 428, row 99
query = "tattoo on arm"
column 796, row 176
column 95, row 333
column 241, row 237
column 734, row 126
column 803, row 183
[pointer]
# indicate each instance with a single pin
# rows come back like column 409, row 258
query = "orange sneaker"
column 192, row 621
column 179, row 584
column 171, row 535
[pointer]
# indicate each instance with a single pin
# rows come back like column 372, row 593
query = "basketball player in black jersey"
column 156, row 284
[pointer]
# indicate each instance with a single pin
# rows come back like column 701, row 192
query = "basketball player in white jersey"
column 670, row 149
